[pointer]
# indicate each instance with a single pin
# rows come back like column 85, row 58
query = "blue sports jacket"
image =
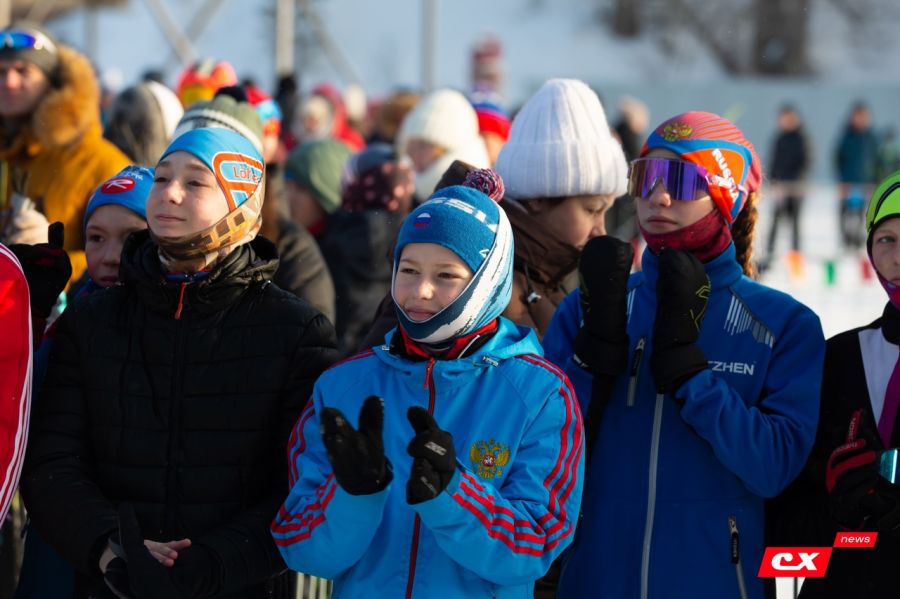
column 673, row 500
column 509, row 510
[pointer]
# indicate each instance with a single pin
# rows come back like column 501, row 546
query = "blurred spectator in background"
column 443, row 127
column 376, row 195
column 201, row 80
column 51, row 148
column 493, row 124
column 790, row 163
column 888, row 154
column 142, row 121
column 390, row 114
column 357, row 107
column 322, row 115
column 856, row 157
column 631, row 128
column 312, row 177
column 287, row 97
column 271, row 117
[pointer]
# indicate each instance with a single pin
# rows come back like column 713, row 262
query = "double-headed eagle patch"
column 489, row 458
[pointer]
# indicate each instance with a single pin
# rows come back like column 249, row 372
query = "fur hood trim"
column 70, row 108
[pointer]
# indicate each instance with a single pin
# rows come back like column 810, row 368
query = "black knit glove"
column 682, row 290
column 357, row 457
column 137, row 574
column 434, row 458
column 47, row 269
column 601, row 345
column 859, row 498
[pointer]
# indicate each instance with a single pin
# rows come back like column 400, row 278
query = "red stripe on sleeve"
column 500, row 521
column 308, row 518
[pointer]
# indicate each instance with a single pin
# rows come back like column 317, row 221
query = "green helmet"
column 885, row 203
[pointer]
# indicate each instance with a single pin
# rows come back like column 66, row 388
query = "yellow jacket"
column 59, row 157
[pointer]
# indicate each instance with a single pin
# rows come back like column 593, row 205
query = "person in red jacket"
column 15, row 373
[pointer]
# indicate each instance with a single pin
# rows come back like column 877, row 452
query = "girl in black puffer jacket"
column 157, row 456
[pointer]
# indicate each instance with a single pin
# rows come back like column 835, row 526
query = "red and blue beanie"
column 716, row 144
column 267, row 108
column 128, row 188
column 232, row 158
column 475, row 228
column 492, row 119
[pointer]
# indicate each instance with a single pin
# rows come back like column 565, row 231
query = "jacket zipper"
column 417, row 524
column 635, row 367
column 736, row 555
column 175, row 426
column 651, row 496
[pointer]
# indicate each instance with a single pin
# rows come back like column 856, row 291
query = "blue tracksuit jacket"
column 669, row 488
column 508, row 512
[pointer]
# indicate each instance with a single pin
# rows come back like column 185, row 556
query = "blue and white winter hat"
column 128, row 188
column 475, row 228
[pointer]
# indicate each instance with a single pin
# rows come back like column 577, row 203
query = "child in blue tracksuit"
column 700, row 386
column 461, row 477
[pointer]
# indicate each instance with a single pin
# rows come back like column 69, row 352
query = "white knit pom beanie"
column 560, row 145
column 444, row 118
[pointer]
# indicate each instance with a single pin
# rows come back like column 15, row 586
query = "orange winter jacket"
column 58, row 157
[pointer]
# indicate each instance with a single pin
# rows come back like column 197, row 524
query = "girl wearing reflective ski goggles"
column 672, row 193
column 683, row 181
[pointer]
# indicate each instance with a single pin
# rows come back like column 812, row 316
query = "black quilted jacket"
column 186, row 418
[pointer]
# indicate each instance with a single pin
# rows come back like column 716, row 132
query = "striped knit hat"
column 714, row 143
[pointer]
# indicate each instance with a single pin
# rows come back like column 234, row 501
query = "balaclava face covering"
column 240, row 174
column 475, row 228
column 710, row 141
column 884, row 205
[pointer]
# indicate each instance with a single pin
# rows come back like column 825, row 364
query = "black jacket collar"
column 251, row 263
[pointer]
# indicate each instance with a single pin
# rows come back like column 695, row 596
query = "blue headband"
column 237, row 165
column 129, row 188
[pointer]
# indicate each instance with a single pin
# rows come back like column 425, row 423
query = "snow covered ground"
column 852, row 300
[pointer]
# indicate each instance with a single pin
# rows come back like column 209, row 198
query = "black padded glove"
column 138, row 575
column 357, row 457
column 682, row 290
column 601, row 345
column 434, row 458
column 47, row 269
column 859, row 498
